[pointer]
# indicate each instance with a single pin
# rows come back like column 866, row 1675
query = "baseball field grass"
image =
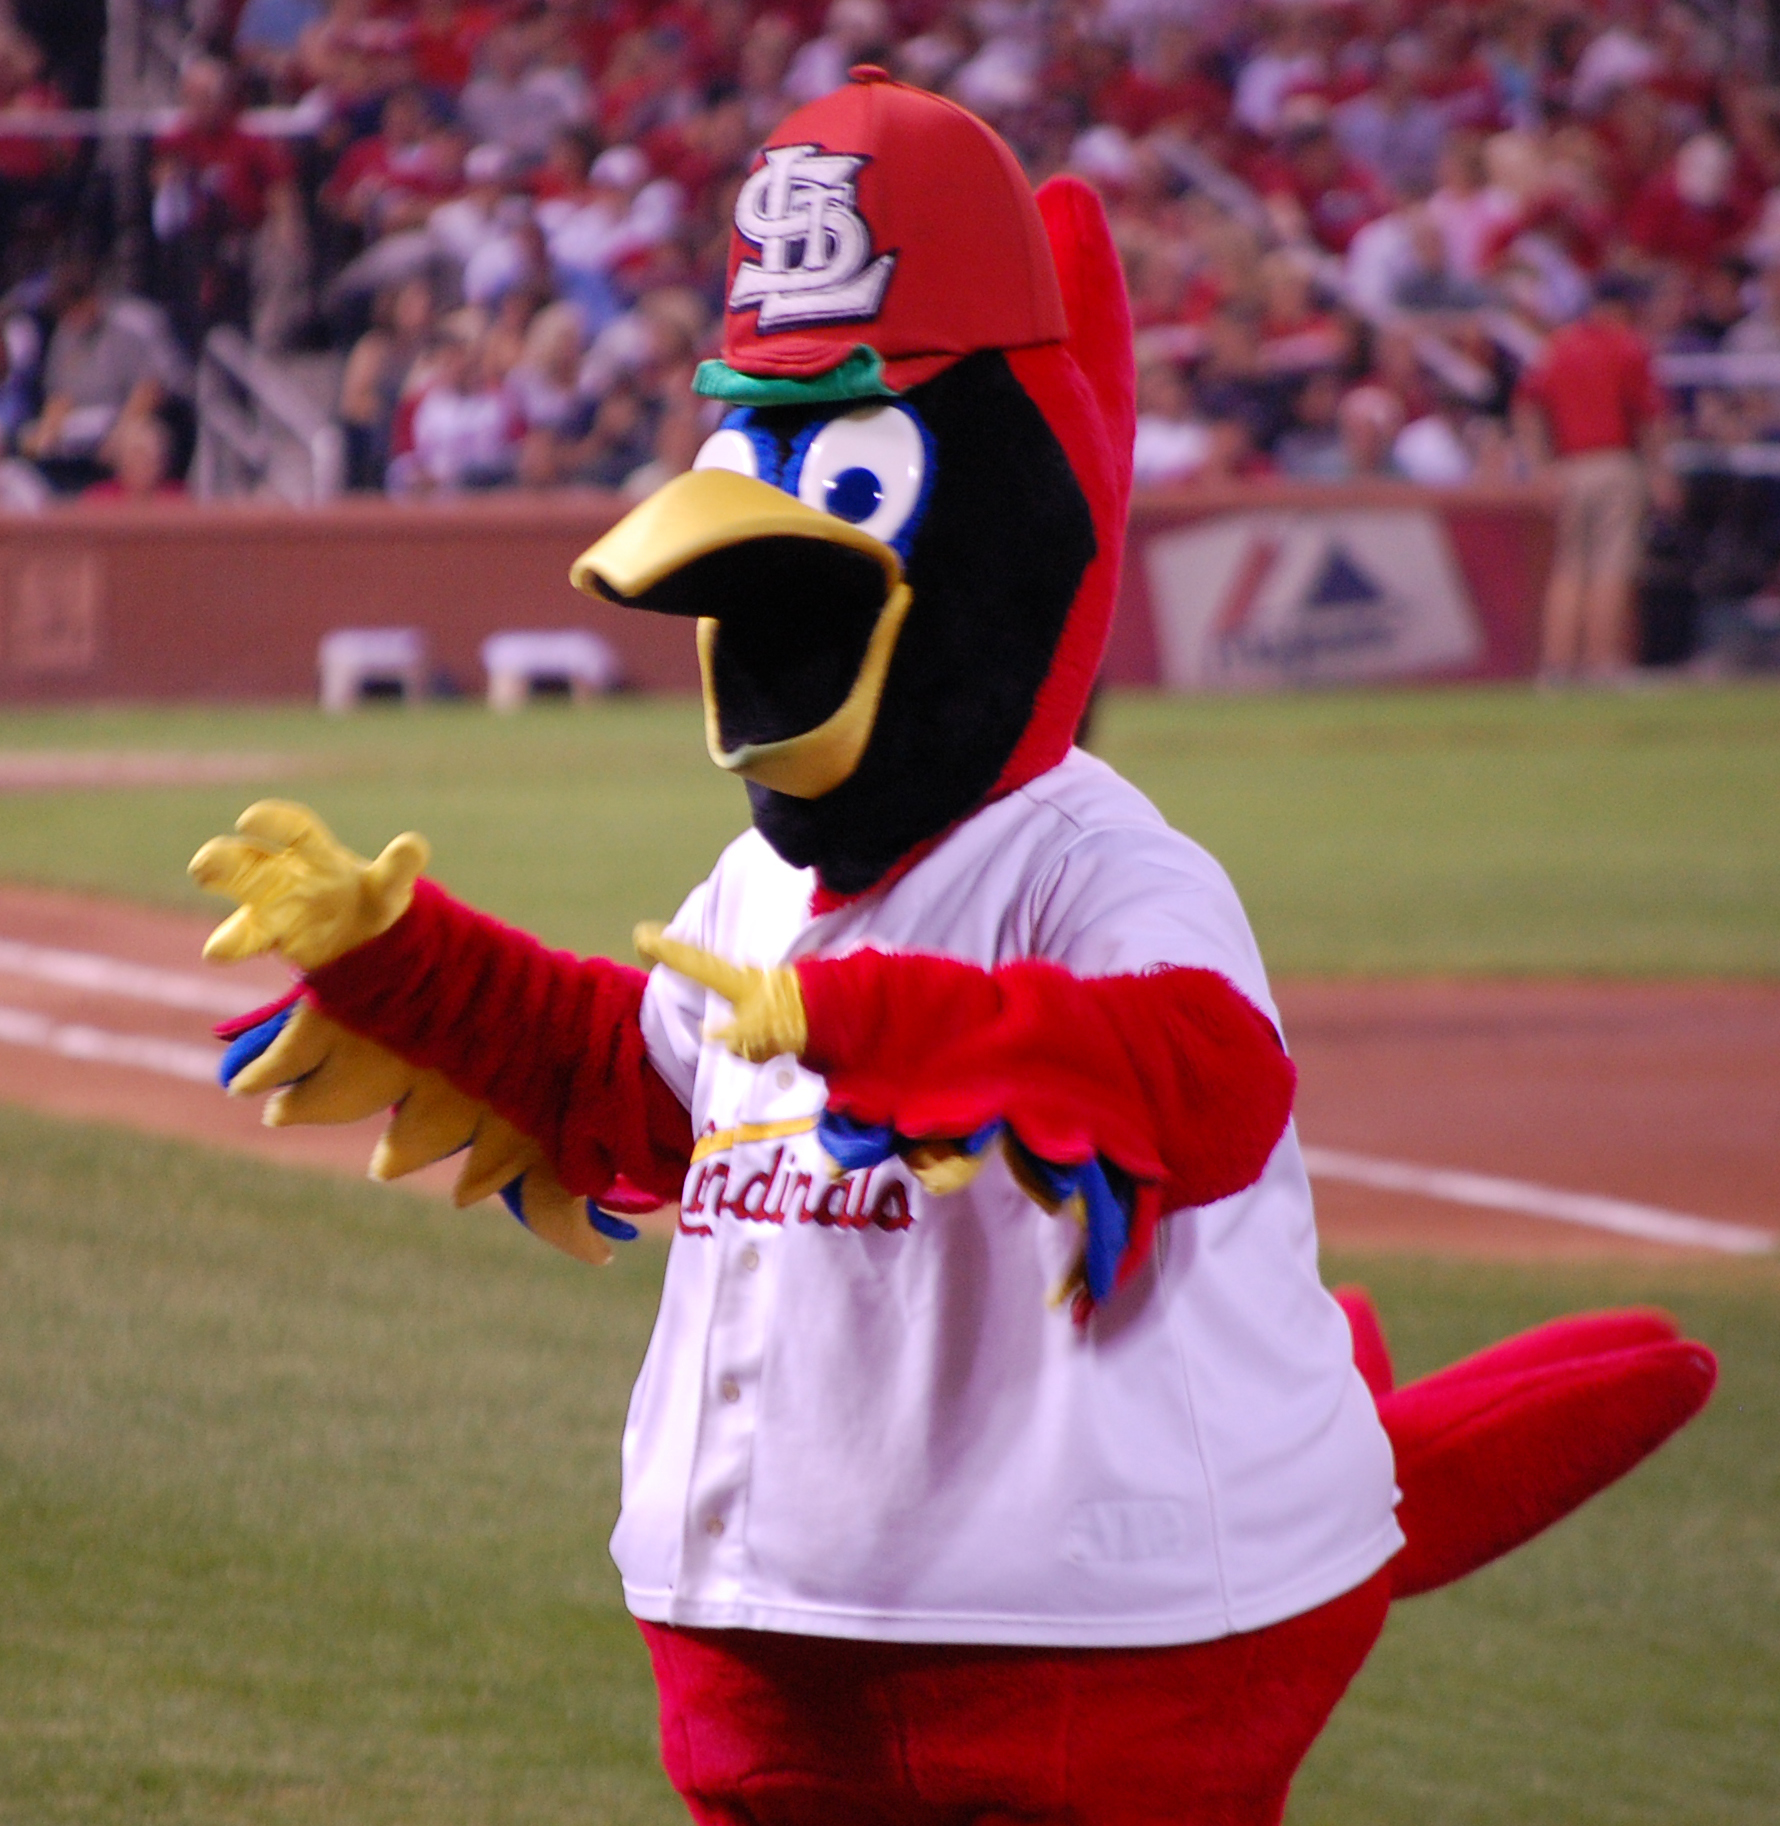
column 1384, row 833
column 305, row 1486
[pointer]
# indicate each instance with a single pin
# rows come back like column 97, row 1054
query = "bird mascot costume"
column 998, row 1455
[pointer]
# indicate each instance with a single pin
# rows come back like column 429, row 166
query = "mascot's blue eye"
column 866, row 467
column 854, row 495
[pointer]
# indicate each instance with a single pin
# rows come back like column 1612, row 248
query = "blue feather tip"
column 603, row 1221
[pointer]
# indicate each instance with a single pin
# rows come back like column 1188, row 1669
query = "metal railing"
column 260, row 436
column 1733, row 371
column 1719, row 368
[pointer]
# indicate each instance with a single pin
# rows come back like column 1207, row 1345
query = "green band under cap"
column 860, row 376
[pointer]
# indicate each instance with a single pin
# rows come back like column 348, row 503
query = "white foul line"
column 91, row 970
column 1650, row 1223
column 28, row 769
column 99, row 1046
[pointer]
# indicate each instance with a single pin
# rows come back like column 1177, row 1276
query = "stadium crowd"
column 1349, row 226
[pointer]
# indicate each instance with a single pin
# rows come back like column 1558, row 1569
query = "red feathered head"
column 903, row 544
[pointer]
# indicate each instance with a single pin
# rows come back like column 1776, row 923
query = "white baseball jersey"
column 859, row 1415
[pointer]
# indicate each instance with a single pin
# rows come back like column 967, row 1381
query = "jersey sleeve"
column 552, row 1042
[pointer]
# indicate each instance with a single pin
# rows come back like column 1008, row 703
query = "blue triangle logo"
column 1342, row 584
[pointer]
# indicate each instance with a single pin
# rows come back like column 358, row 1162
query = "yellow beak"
column 711, row 510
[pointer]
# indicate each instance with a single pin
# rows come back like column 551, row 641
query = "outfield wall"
column 1234, row 587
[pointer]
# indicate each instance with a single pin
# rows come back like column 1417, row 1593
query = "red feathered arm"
column 1173, row 1076
column 1494, row 1449
column 548, row 1040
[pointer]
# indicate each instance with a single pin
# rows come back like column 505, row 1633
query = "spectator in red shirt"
column 1168, row 85
column 218, row 190
column 32, row 170
column 1697, row 206
column 1589, row 412
column 763, row 59
column 1295, row 335
column 647, row 85
column 393, row 179
column 240, row 178
column 1314, row 181
column 26, row 161
column 1455, row 77
column 140, row 452
column 446, row 37
column 357, row 49
column 703, row 151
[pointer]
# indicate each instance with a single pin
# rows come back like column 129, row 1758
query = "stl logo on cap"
column 801, row 210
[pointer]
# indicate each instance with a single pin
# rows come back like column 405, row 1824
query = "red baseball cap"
column 884, row 233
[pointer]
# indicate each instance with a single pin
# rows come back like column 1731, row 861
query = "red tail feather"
column 1589, row 1334
column 1494, row 1449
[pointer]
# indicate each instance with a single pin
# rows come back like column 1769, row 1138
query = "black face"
column 995, row 562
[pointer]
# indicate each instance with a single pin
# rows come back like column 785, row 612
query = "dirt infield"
column 1661, row 1094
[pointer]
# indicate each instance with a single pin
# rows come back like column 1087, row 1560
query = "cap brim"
column 815, row 374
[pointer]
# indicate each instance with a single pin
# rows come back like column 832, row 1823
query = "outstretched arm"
column 549, row 1041
column 1173, row 1077
column 1126, row 1096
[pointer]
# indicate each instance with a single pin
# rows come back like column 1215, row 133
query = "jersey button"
column 750, row 1258
column 785, row 1077
column 714, row 1526
column 730, row 1389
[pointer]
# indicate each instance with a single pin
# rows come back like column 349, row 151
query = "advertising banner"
column 1275, row 586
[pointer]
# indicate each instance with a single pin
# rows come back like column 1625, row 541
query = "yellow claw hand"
column 303, row 893
column 768, row 1004
column 318, row 1071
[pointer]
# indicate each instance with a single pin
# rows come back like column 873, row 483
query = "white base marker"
column 1649, row 1223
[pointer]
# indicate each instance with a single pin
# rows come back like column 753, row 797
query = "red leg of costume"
column 770, row 1730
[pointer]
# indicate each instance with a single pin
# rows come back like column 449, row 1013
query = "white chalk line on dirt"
column 101, row 975
column 1649, row 1223
column 100, row 1046
column 97, row 973
column 49, row 769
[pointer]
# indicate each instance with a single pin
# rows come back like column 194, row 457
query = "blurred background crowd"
column 1363, row 238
